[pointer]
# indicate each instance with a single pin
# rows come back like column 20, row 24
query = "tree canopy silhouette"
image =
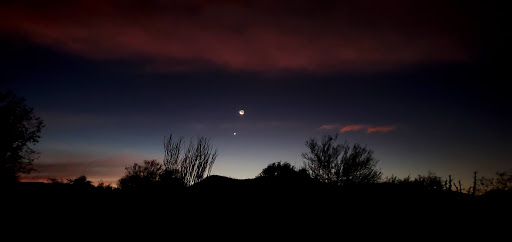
column 80, row 181
column 278, row 169
column 340, row 164
column 188, row 164
column 19, row 128
column 141, row 176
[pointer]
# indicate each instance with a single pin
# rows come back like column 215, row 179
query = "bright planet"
column 241, row 112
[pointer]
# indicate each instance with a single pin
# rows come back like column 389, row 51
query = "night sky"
column 422, row 83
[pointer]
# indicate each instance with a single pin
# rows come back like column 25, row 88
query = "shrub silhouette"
column 80, row 181
column 278, row 169
column 104, row 187
column 430, row 182
column 503, row 181
column 19, row 128
column 141, row 176
column 340, row 164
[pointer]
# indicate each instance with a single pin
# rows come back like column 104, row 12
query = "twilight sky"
column 422, row 83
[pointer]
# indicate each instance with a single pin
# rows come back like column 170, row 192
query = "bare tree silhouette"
column 340, row 164
column 188, row 164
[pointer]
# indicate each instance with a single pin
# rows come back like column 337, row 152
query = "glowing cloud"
column 367, row 128
column 383, row 129
column 354, row 127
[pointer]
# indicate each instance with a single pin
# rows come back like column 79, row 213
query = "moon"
column 241, row 112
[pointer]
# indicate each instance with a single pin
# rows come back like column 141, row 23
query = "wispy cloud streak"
column 358, row 127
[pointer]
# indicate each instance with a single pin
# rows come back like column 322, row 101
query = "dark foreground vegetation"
column 337, row 183
column 278, row 197
column 285, row 201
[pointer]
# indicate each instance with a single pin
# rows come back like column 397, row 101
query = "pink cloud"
column 257, row 36
column 354, row 127
column 383, row 129
column 367, row 128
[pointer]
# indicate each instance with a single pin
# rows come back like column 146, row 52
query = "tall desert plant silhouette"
column 340, row 164
column 188, row 163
